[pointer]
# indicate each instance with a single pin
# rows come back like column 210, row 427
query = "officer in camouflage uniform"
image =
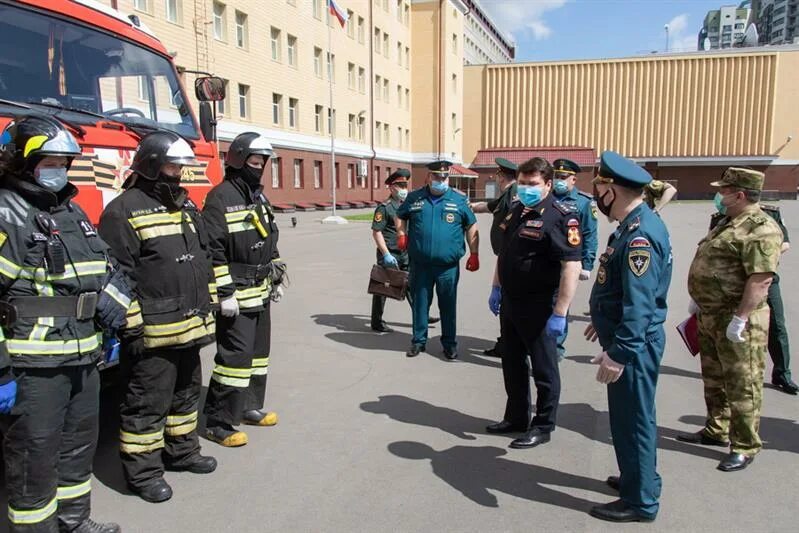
column 729, row 281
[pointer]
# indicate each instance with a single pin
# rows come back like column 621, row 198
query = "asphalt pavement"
column 369, row 440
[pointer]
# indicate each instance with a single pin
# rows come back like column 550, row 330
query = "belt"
column 243, row 270
column 82, row 306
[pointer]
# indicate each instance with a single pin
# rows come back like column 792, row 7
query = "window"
column 277, row 104
column 407, row 139
column 221, row 105
column 317, row 62
column 361, row 80
column 376, row 178
column 407, row 99
column 385, row 6
column 407, row 58
column 454, row 123
column 454, row 43
column 351, row 126
column 244, row 100
column 291, row 49
column 275, row 33
column 317, row 9
column 219, row 21
column 350, row 24
column 317, row 174
column 399, row 138
column 385, row 45
column 141, row 5
column 399, row 53
column 351, row 75
column 377, row 40
column 298, row 181
column 399, row 11
column 385, row 91
column 331, row 120
column 277, row 179
column 336, row 176
column 241, row 29
column 317, row 117
column 360, row 29
column 173, row 11
column 331, row 67
column 378, row 133
column 293, row 105
column 144, row 89
column 454, row 84
column 399, row 96
column 378, row 84
column 406, row 15
column 350, row 175
column 386, row 135
column 361, row 128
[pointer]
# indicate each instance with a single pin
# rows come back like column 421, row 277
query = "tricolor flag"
column 339, row 13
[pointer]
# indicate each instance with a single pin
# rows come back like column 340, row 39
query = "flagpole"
column 332, row 122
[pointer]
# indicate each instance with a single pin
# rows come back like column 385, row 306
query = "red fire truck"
column 110, row 81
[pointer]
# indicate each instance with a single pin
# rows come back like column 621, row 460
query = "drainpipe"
column 440, row 71
column 371, row 85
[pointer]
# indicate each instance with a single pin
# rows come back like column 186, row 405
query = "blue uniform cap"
column 615, row 168
column 566, row 166
column 440, row 167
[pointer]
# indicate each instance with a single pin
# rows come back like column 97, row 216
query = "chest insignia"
column 639, row 242
column 534, row 224
column 573, row 236
column 450, row 218
column 87, row 228
column 532, row 234
column 601, row 275
column 639, row 261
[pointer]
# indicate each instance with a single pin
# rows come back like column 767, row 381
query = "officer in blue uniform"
column 431, row 224
column 564, row 189
column 628, row 308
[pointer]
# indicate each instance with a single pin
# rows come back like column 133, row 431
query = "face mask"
column 402, row 194
column 439, row 187
column 530, row 195
column 720, row 207
column 560, row 187
column 603, row 205
column 252, row 174
column 52, row 179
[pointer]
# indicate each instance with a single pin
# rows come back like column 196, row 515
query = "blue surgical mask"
column 560, row 187
column 402, row 194
column 439, row 187
column 720, row 207
column 530, row 195
column 52, row 179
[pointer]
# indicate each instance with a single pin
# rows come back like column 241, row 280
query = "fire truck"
column 110, row 81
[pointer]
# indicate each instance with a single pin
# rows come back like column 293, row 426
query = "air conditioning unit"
column 363, row 168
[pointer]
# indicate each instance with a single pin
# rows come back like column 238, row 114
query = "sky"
column 583, row 29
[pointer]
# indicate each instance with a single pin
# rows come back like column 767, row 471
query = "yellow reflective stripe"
column 84, row 268
column 237, row 216
column 134, row 308
column 213, row 293
column 199, row 331
column 33, row 516
column 74, row 491
column 43, row 323
column 181, row 424
column 9, row 268
column 238, row 227
column 139, row 222
column 160, row 231
column 176, row 420
column 173, row 328
column 140, row 438
column 227, row 279
column 140, row 448
column 118, row 297
column 221, row 270
column 234, row 377
column 39, row 332
column 260, row 366
column 231, row 382
column 37, row 347
column 132, row 321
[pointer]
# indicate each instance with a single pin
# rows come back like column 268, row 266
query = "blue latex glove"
column 556, row 325
column 495, row 300
column 390, row 261
column 110, row 349
column 8, row 397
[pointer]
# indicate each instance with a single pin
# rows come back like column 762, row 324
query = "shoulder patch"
column 639, row 242
column 638, row 260
column 378, row 216
column 564, row 207
column 573, row 236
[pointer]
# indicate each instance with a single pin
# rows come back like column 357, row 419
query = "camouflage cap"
column 743, row 178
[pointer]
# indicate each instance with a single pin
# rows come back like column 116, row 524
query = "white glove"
column 277, row 293
column 736, row 328
column 609, row 370
column 692, row 307
column 229, row 307
column 585, row 274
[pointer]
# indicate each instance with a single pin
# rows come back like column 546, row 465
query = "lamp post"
column 666, row 27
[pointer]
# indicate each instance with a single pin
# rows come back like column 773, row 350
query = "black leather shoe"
column 156, row 492
column 786, row 385
column 735, row 461
column 451, row 354
column 415, row 350
column 613, row 482
column 701, row 438
column 433, row 320
column 90, row 526
column 618, row 511
column 503, row 427
column 492, row 352
column 531, row 439
column 200, row 464
column 382, row 328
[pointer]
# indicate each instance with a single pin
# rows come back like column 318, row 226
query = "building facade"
column 725, row 27
column 483, row 41
column 777, row 21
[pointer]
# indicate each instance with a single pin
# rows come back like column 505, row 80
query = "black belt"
column 245, row 271
column 82, row 306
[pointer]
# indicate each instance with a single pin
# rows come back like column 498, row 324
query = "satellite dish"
column 751, row 36
column 706, row 44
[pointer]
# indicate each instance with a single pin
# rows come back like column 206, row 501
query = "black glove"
column 133, row 348
column 111, row 309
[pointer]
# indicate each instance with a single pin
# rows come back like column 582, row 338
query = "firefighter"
column 249, row 273
column 158, row 237
column 58, row 292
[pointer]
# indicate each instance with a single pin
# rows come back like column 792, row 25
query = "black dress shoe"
column 531, row 439
column 156, row 492
column 415, row 350
column 451, row 354
column 701, row 438
column 618, row 511
column 735, row 461
column 492, row 352
column 786, row 385
column 382, row 328
column 613, row 482
column 200, row 464
column 433, row 320
column 503, row 427
column 90, row 526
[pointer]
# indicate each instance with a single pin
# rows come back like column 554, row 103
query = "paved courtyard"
column 370, row 440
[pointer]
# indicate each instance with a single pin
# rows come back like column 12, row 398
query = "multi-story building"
column 725, row 27
column 483, row 42
column 777, row 21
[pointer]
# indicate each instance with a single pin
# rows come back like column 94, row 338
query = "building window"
column 399, row 53
column 399, row 96
column 241, row 29
column 407, row 58
column 385, row 6
column 385, row 44
column 293, row 105
column 244, row 100
column 277, row 104
column 376, row 178
column 351, row 126
column 454, row 123
column 219, row 21
column 350, row 24
column 277, row 179
column 291, row 49
column 221, row 105
column 141, row 5
column 454, row 84
column 361, row 128
column 399, row 11
column 144, row 89
column 361, row 80
column 377, row 40
column 317, row 174
column 454, row 43
column 318, row 119
column 386, row 135
column 174, row 11
column 275, row 33
column 378, row 133
column 317, row 62
column 361, row 26
column 298, row 181
column 350, row 175
column 407, row 99
column 336, row 176
column 407, row 139
column 317, row 9
column 385, row 91
column 406, row 17
column 331, row 120
column 378, row 85
column 399, row 138
column 331, row 67
column 351, row 75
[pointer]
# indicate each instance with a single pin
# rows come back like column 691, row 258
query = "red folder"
column 689, row 331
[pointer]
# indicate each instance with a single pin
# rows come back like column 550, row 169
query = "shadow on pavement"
column 777, row 433
column 664, row 370
column 420, row 413
column 359, row 323
column 475, row 471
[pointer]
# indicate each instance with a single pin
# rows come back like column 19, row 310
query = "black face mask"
column 251, row 175
column 604, row 206
column 169, row 191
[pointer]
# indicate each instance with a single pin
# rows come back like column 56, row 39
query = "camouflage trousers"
column 733, row 379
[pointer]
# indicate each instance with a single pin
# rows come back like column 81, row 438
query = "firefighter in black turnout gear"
column 58, row 292
column 158, row 237
column 249, row 274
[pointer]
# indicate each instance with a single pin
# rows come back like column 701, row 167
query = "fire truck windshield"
column 49, row 62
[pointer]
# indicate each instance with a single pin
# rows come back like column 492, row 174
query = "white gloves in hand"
column 230, row 307
column 277, row 293
column 609, row 370
column 585, row 274
column 736, row 328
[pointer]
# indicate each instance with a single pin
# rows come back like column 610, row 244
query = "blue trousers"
column 424, row 278
column 633, row 426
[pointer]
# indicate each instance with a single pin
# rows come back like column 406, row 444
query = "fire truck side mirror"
column 207, row 121
column 209, row 89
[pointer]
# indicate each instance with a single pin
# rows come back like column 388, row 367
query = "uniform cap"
column 400, row 175
column 506, row 166
column 439, row 167
column 615, row 168
column 743, row 178
column 566, row 166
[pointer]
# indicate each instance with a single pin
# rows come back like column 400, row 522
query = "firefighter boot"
column 226, row 436
column 90, row 526
column 256, row 417
column 198, row 464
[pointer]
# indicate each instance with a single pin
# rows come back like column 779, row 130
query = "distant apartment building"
column 725, row 27
column 483, row 41
column 777, row 21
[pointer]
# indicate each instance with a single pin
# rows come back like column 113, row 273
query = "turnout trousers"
column 238, row 380
column 159, row 412
column 49, row 440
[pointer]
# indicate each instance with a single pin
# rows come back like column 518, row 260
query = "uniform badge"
column 39, row 237
column 634, row 224
column 450, row 218
column 534, row 223
column 572, row 222
column 573, row 236
column 532, row 234
column 601, row 275
column 87, row 228
column 639, row 261
column 639, row 242
column 593, row 209
column 378, row 217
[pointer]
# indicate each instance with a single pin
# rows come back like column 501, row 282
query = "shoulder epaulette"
column 769, row 207
column 566, row 208
column 586, row 195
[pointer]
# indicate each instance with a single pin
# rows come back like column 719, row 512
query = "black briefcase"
column 389, row 282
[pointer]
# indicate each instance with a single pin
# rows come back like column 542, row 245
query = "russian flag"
column 339, row 13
